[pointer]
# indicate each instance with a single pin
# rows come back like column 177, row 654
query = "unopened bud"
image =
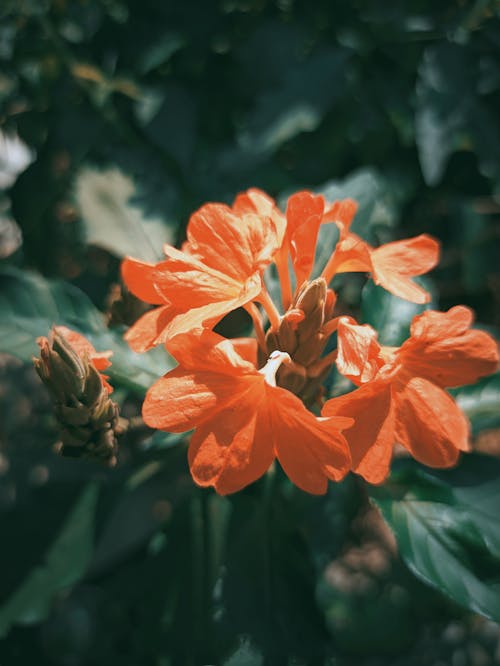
column 301, row 334
column 82, row 406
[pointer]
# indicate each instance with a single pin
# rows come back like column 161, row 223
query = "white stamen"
column 272, row 366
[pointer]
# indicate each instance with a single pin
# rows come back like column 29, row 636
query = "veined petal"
column 372, row 436
column 394, row 264
column 432, row 325
column 210, row 314
column 311, row 450
column 443, row 349
column 150, row 329
column 202, row 349
column 140, row 279
column 429, row 423
column 233, row 449
column 237, row 245
column 183, row 399
column 358, row 356
column 185, row 280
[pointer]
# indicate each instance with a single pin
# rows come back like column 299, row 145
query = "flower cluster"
column 258, row 399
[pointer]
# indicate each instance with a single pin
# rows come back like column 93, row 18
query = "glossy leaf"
column 30, row 305
column 62, row 565
column 447, row 529
column 481, row 402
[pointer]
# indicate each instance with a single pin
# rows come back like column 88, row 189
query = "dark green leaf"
column 481, row 402
column 443, row 94
column 447, row 529
column 268, row 589
column 64, row 563
column 30, row 305
column 297, row 103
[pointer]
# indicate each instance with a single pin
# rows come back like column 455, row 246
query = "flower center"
column 273, row 364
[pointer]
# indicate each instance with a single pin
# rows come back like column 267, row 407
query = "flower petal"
column 304, row 214
column 429, row 423
column 342, row 213
column 394, row 264
column 150, row 329
column 358, row 356
column 311, row 450
column 371, row 439
column 234, row 449
column 237, row 245
column 208, row 315
column 202, row 349
column 139, row 278
column 443, row 349
column 182, row 400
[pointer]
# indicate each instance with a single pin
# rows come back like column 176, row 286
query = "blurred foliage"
column 118, row 118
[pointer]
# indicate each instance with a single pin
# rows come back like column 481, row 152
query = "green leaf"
column 443, row 96
column 447, row 529
column 30, row 305
column 245, row 655
column 481, row 402
column 112, row 221
column 268, row 588
column 65, row 562
column 296, row 103
column 389, row 315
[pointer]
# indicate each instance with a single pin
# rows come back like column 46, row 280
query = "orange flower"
column 401, row 398
column 392, row 265
column 100, row 360
column 242, row 420
column 304, row 215
column 218, row 270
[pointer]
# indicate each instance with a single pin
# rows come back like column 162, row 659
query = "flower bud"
column 82, row 406
column 301, row 335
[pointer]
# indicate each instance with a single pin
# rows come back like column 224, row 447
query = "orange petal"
column 443, row 349
column 371, row 439
column 182, row 400
column 186, row 282
column 233, row 449
column 342, row 213
column 351, row 255
column 311, row 450
column 150, row 329
column 304, row 214
column 139, row 278
column 394, row 264
column 429, row 423
column 208, row 315
column 432, row 325
column 246, row 348
column 237, row 245
column 358, row 356
column 202, row 349
column 254, row 201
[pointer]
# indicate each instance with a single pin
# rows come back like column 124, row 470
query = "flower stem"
column 274, row 316
column 329, row 270
column 254, row 313
column 281, row 262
